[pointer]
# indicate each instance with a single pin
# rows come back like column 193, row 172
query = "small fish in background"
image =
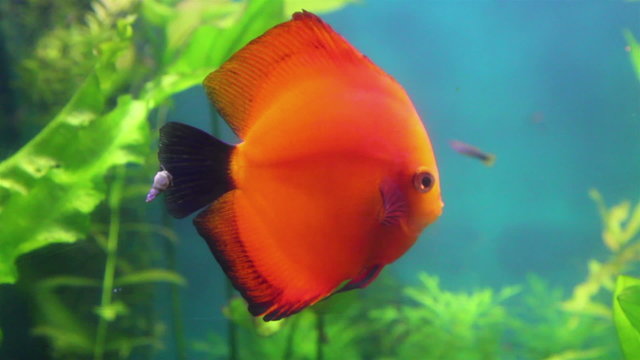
column 334, row 177
column 537, row 117
column 472, row 151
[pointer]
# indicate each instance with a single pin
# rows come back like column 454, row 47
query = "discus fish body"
column 334, row 177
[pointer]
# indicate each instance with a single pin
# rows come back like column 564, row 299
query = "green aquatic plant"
column 626, row 313
column 430, row 324
column 544, row 330
column 438, row 324
column 621, row 226
column 335, row 328
column 518, row 322
column 626, row 297
column 72, row 328
column 581, row 326
column 330, row 330
column 634, row 51
column 61, row 59
column 49, row 188
column 24, row 24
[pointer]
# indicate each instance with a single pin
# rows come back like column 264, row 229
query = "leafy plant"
column 544, row 330
column 49, row 188
column 581, row 326
column 621, row 224
column 431, row 324
column 328, row 331
column 61, row 59
column 626, row 297
column 28, row 103
column 438, row 324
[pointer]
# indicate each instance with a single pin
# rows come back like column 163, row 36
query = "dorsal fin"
column 266, row 66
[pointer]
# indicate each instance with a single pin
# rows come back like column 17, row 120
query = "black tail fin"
column 199, row 167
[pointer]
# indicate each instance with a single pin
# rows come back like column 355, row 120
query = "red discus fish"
column 333, row 179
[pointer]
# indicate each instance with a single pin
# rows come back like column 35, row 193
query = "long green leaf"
column 634, row 50
column 149, row 276
column 49, row 188
column 51, row 185
column 315, row 6
column 629, row 300
column 64, row 327
column 209, row 45
column 626, row 313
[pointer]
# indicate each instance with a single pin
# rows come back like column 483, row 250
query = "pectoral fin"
column 363, row 279
column 394, row 203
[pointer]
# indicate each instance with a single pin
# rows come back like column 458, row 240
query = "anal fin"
column 263, row 287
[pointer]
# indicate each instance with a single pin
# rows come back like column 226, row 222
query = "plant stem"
column 176, row 308
column 8, row 105
column 215, row 122
column 115, row 198
column 232, row 333
column 172, row 264
column 288, row 350
column 320, row 336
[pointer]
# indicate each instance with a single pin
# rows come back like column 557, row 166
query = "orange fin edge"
column 363, row 279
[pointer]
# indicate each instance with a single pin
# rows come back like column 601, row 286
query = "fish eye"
column 423, row 181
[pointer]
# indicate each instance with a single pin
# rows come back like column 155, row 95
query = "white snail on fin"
column 161, row 182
